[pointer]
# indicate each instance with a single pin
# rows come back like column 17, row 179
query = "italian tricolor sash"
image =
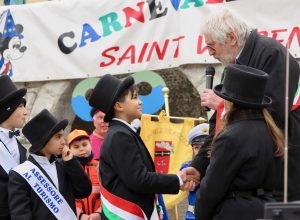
column 296, row 102
column 116, row 208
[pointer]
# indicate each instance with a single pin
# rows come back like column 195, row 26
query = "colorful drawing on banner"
column 79, row 104
column 175, row 4
column 11, row 47
column 152, row 102
column 114, row 22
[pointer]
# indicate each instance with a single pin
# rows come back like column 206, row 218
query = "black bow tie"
column 13, row 133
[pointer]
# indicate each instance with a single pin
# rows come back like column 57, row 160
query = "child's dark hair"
column 131, row 89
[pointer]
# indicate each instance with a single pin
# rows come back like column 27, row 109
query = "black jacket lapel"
column 60, row 175
column 148, row 159
column 22, row 151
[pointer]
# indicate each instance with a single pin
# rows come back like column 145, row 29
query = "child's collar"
column 126, row 123
column 41, row 159
column 6, row 130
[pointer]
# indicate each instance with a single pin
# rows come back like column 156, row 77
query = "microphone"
column 210, row 72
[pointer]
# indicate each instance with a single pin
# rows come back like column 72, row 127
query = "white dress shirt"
column 11, row 144
column 126, row 123
column 50, row 168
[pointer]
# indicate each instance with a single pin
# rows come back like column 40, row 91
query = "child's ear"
column 118, row 107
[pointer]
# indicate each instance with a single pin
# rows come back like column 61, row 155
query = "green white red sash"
column 116, row 208
column 47, row 192
column 296, row 102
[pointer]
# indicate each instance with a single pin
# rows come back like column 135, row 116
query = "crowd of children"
column 58, row 179
column 45, row 184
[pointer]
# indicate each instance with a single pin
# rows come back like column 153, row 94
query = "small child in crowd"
column 196, row 138
column 44, row 187
column 80, row 145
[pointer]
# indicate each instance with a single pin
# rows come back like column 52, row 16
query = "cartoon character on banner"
column 11, row 47
column 152, row 102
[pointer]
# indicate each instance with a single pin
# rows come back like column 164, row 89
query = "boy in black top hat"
column 45, row 187
column 12, row 153
column 126, row 168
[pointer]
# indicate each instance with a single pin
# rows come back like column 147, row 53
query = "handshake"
column 190, row 177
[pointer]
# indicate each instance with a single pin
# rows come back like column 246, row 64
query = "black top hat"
column 10, row 97
column 106, row 92
column 244, row 86
column 8, row 90
column 40, row 129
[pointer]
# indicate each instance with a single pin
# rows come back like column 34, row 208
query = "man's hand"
column 190, row 177
column 191, row 172
column 66, row 154
column 188, row 186
column 210, row 99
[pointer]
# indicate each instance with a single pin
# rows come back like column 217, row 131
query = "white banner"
column 84, row 38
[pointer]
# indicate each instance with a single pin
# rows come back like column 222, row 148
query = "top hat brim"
column 60, row 125
column 126, row 83
column 13, row 95
column 265, row 102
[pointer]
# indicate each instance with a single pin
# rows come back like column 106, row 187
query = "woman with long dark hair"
column 246, row 153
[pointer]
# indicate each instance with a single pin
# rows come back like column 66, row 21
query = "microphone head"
column 210, row 70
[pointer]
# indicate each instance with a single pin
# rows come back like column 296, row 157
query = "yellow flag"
column 168, row 146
